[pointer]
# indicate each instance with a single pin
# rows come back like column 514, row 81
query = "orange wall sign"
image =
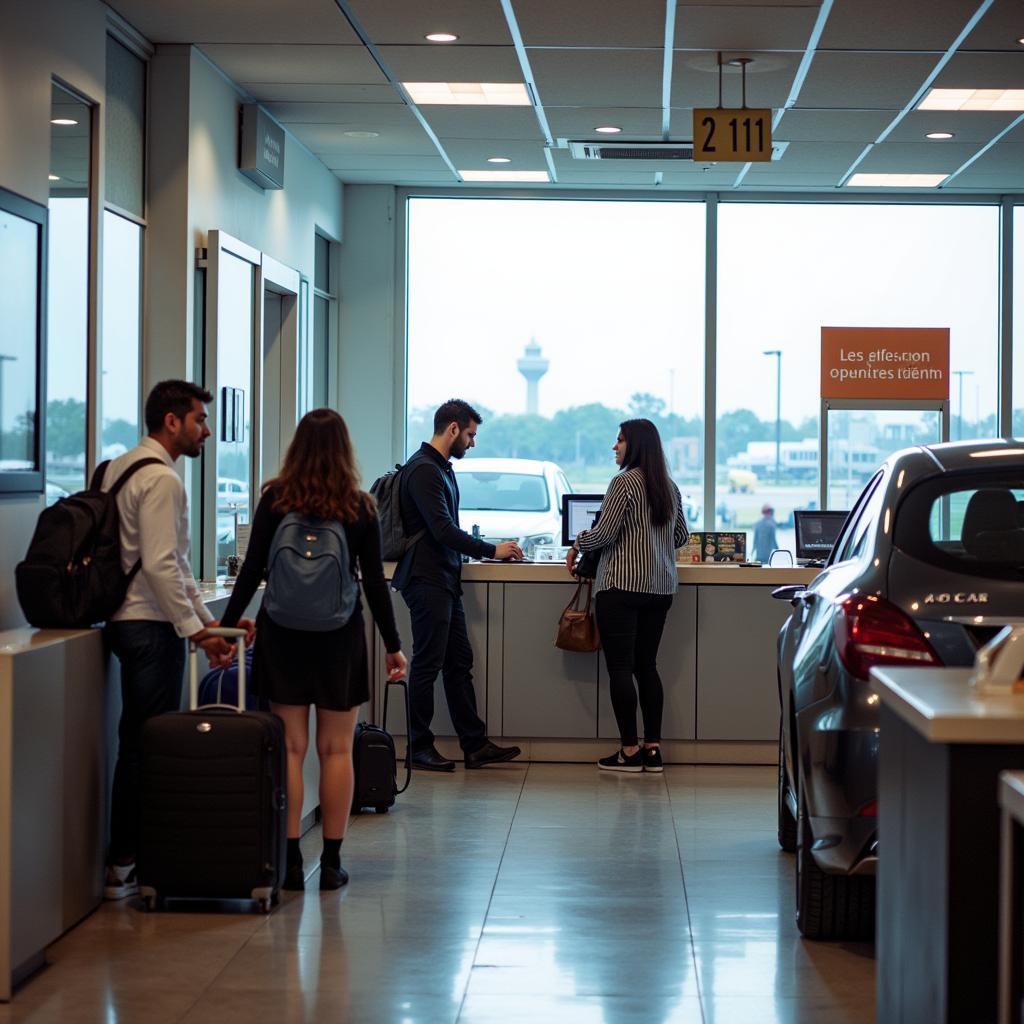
column 885, row 362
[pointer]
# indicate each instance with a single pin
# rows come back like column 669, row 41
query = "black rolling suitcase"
column 213, row 800
column 375, row 761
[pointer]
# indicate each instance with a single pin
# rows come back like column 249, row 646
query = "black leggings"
column 631, row 625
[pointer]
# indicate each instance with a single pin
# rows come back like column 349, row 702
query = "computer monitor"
column 817, row 532
column 579, row 512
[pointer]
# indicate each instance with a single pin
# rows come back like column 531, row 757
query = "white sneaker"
column 120, row 882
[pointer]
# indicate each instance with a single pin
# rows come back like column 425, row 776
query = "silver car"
column 928, row 567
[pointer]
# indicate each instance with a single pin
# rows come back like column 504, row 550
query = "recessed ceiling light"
column 504, row 175
column 499, row 160
column 361, row 135
column 442, row 37
column 492, row 94
column 1021, row 40
column 54, row 177
column 608, row 129
column 939, row 135
column 973, row 99
column 63, row 120
column 896, row 180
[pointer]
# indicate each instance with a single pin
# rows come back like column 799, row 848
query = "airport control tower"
column 532, row 365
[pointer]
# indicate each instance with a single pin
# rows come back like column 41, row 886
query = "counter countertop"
column 940, row 705
column 555, row 572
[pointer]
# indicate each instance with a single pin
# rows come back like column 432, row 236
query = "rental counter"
column 717, row 663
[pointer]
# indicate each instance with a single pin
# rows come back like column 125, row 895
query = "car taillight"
column 869, row 810
column 870, row 631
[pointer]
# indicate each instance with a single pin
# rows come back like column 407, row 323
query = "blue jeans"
column 152, row 657
column 440, row 643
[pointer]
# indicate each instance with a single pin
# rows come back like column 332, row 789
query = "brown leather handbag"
column 577, row 628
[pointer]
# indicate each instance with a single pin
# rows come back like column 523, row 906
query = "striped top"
column 635, row 555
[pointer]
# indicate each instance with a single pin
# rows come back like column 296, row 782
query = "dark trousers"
column 440, row 643
column 152, row 660
column 631, row 625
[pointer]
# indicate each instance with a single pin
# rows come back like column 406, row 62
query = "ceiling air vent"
column 631, row 150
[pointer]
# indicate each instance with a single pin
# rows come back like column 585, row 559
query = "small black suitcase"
column 213, row 819
column 375, row 761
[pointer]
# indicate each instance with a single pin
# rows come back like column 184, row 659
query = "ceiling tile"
column 863, row 126
column 406, row 22
column 482, row 122
column 238, row 21
column 472, row 154
column 579, row 122
column 442, row 179
column 583, row 23
column 598, row 78
column 831, row 158
column 985, row 70
column 452, row 63
column 1006, row 160
column 325, row 139
column 743, row 28
column 999, row 28
column 760, row 179
column 296, row 64
column 354, row 116
column 885, row 25
column 968, row 126
column 284, row 92
column 365, row 162
column 916, row 158
column 869, row 81
column 769, row 79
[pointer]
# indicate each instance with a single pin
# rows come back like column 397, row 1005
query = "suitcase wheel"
column 150, row 902
column 382, row 808
column 265, row 904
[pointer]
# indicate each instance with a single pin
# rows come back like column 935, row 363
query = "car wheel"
column 787, row 823
column 830, row 906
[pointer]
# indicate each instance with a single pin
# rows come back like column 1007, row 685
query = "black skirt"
column 296, row 666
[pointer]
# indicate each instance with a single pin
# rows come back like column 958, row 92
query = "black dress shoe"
column 332, row 878
column 491, row 753
column 430, row 760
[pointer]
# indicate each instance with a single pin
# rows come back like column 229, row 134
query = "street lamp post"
column 960, row 374
column 777, row 352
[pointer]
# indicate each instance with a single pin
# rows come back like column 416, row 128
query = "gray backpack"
column 311, row 584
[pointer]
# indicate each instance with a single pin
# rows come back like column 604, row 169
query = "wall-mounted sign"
column 261, row 152
column 733, row 136
column 885, row 362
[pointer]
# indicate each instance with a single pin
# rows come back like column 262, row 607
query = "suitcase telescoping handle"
column 408, row 718
column 193, row 668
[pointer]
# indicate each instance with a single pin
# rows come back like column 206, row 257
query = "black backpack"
column 386, row 491
column 72, row 577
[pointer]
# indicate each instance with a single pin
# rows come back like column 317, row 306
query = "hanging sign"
column 261, row 152
column 740, row 135
column 885, row 362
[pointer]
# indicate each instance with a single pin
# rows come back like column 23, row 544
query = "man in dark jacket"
column 429, row 577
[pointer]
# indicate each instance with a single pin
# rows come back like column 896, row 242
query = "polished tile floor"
column 518, row 893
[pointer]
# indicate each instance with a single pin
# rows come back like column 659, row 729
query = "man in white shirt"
column 163, row 606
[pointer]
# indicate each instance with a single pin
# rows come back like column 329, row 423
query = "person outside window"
column 641, row 526
column 295, row 668
column 163, row 605
column 429, row 578
column 765, row 541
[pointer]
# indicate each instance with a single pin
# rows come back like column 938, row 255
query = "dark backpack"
column 310, row 581
column 386, row 491
column 71, row 577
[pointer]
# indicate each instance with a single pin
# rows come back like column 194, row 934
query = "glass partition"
column 1018, row 321
column 558, row 319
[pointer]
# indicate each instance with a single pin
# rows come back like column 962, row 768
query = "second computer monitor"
column 579, row 512
column 817, row 532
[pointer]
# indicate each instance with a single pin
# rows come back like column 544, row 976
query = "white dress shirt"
column 153, row 509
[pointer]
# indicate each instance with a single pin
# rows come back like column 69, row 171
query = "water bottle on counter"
column 476, row 534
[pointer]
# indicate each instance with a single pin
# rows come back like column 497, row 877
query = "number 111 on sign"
column 738, row 135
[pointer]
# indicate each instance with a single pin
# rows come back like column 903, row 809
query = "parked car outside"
column 512, row 499
column 928, row 567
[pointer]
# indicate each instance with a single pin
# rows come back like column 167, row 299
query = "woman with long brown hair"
column 295, row 667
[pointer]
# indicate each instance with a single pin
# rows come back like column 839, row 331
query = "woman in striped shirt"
column 640, row 527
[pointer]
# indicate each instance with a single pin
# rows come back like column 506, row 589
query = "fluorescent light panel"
column 896, row 180
column 504, row 175
column 486, row 94
column 973, row 99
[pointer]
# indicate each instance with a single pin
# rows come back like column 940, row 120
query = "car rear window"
column 507, row 492
column 972, row 524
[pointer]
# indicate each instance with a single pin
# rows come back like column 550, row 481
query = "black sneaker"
column 332, row 878
column 120, row 882
column 620, row 762
column 294, row 879
column 652, row 759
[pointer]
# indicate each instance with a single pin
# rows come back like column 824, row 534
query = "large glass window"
column 122, row 325
column 557, row 319
column 786, row 270
column 1018, row 321
column 68, row 293
column 322, row 303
